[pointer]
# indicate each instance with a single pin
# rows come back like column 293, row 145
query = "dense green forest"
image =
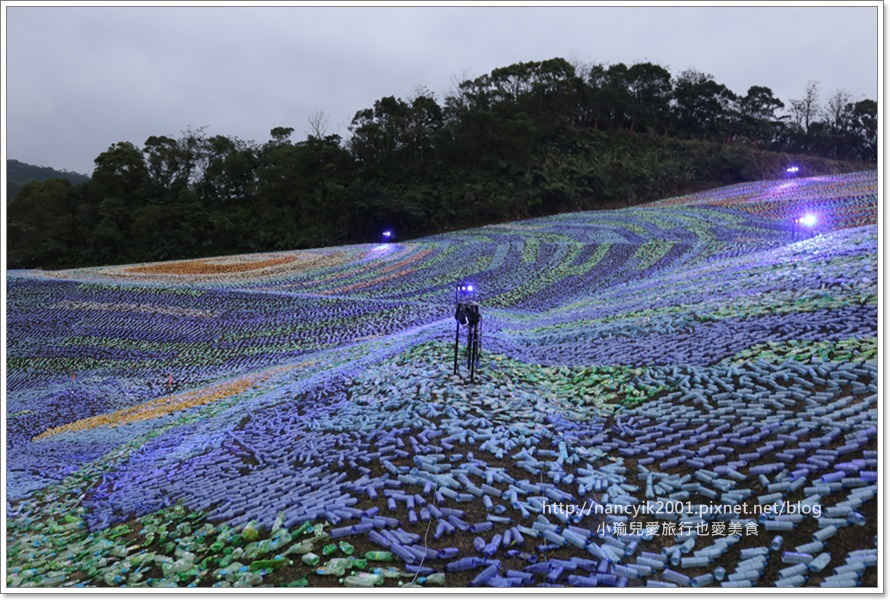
column 525, row 140
column 19, row 173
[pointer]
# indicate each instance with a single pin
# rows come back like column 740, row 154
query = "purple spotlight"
column 465, row 290
column 808, row 220
column 792, row 169
column 387, row 235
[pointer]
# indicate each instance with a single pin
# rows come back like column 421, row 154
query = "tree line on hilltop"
column 525, row 140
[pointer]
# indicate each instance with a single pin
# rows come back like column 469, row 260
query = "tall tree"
column 863, row 120
column 120, row 173
column 702, row 106
column 835, row 112
column 757, row 115
column 805, row 110
column 41, row 224
column 649, row 90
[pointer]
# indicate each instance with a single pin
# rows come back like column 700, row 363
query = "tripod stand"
column 465, row 316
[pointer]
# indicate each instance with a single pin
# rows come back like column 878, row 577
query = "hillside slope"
column 695, row 350
column 19, row 173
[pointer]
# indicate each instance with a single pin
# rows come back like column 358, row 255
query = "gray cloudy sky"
column 81, row 78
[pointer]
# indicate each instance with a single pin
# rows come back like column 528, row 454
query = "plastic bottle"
column 793, row 558
column 484, row 576
column 250, row 532
column 823, row 534
column 233, row 570
column 346, row 547
column 178, row 566
column 269, row 564
column 311, row 559
column 255, row 549
column 463, row 564
column 335, row 566
column 702, row 580
column 856, row 518
column 53, row 580
column 248, row 579
column 304, row 528
column 303, row 547
column 820, row 562
column 281, row 538
column 362, row 579
column 379, row 555
column 279, row 522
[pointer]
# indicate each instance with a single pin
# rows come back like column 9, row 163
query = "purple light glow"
column 387, row 234
column 792, row 169
column 808, row 220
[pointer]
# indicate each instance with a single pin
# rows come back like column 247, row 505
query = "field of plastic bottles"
column 682, row 393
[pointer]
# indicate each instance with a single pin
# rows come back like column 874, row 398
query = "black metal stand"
column 473, row 349
column 456, row 345
column 467, row 313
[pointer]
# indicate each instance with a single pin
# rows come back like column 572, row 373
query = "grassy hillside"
column 19, row 173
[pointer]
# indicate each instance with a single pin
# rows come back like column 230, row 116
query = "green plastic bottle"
column 329, row 549
column 279, row 522
column 346, row 547
column 232, row 571
column 311, row 559
column 381, row 555
column 389, row 572
column 362, row 579
column 282, row 538
column 250, row 532
column 304, row 528
column 300, row 548
column 248, row 579
column 256, row 549
column 269, row 564
column 335, row 566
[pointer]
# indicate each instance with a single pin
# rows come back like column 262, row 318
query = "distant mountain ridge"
column 19, row 173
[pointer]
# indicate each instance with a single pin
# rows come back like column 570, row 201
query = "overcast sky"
column 81, row 78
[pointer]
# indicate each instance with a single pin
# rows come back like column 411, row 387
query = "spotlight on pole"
column 467, row 314
column 805, row 223
column 808, row 220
